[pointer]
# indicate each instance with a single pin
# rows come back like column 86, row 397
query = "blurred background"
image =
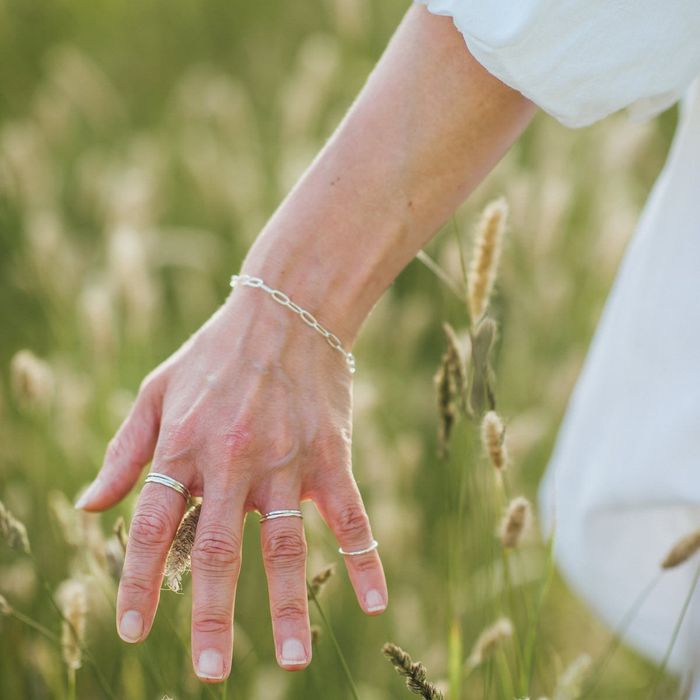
column 142, row 147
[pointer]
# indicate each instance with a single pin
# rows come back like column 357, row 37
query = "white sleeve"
column 581, row 60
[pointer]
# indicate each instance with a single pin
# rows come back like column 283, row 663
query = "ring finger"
column 284, row 555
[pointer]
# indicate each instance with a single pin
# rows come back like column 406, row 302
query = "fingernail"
column 374, row 600
column 293, row 652
column 131, row 626
column 88, row 494
column 210, row 664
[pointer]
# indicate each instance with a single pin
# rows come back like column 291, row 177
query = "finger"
column 216, row 563
column 340, row 504
column 153, row 527
column 284, row 556
column 128, row 452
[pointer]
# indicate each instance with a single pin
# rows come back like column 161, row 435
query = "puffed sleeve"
column 581, row 60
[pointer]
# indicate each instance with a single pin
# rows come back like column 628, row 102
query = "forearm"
column 427, row 127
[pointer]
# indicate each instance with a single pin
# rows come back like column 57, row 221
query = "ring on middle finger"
column 282, row 513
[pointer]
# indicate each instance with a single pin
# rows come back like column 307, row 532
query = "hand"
column 253, row 412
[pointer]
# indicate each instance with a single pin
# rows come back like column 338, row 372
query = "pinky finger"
column 341, row 506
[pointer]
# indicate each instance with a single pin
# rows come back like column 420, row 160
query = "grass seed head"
column 493, row 434
column 682, row 550
column 5, row 607
column 489, row 640
column 320, row 579
column 13, row 531
column 72, row 600
column 515, row 522
column 32, row 381
column 180, row 556
column 570, row 684
column 486, row 257
column 414, row 673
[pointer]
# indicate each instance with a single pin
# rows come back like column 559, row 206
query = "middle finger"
column 216, row 564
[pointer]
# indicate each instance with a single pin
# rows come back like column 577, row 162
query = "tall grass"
column 141, row 149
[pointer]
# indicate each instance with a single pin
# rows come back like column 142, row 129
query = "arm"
column 428, row 126
column 253, row 412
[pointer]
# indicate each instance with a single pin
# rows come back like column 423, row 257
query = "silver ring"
column 374, row 545
column 165, row 480
column 285, row 513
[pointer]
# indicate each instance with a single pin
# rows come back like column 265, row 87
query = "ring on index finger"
column 165, row 480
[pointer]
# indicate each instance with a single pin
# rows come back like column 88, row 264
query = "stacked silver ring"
column 282, row 513
column 165, row 480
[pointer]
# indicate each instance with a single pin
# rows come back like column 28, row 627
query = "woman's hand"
column 253, row 412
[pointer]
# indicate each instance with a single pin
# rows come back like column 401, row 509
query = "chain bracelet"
column 308, row 318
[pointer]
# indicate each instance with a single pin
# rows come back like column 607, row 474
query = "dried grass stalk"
column 489, row 641
column 486, row 257
column 414, row 673
column 72, row 599
column 121, row 532
column 13, row 531
column 682, row 550
column 320, row 579
column 493, row 434
column 451, row 383
column 180, row 556
column 515, row 522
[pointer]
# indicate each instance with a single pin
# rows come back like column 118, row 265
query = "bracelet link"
column 306, row 316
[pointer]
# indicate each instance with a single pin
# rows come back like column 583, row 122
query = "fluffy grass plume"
column 486, row 257
column 489, row 641
column 493, row 434
column 515, row 522
column 32, row 380
column 180, row 555
column 682, row 550
column 13, row 531
column 570, row 684
column 72, row 599
column 414, row 672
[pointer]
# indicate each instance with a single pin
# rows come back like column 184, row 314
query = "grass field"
column 142, row 147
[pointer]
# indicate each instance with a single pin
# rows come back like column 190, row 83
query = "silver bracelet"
column 308, row 318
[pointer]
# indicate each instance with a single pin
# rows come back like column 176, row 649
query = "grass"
column 141, row 148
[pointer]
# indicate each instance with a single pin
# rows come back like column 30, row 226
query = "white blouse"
column 623, row 483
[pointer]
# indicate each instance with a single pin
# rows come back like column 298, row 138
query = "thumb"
column 128, row 452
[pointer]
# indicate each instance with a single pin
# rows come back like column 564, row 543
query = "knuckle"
column 285, row 547
column 134, row 587
column 332, row 447
column 239, row 439
column 352, row 521
column 216, row 549
column 289, row 610
column 211, row 620
column 367, row 562
column 118, row 447
column 150, row 526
